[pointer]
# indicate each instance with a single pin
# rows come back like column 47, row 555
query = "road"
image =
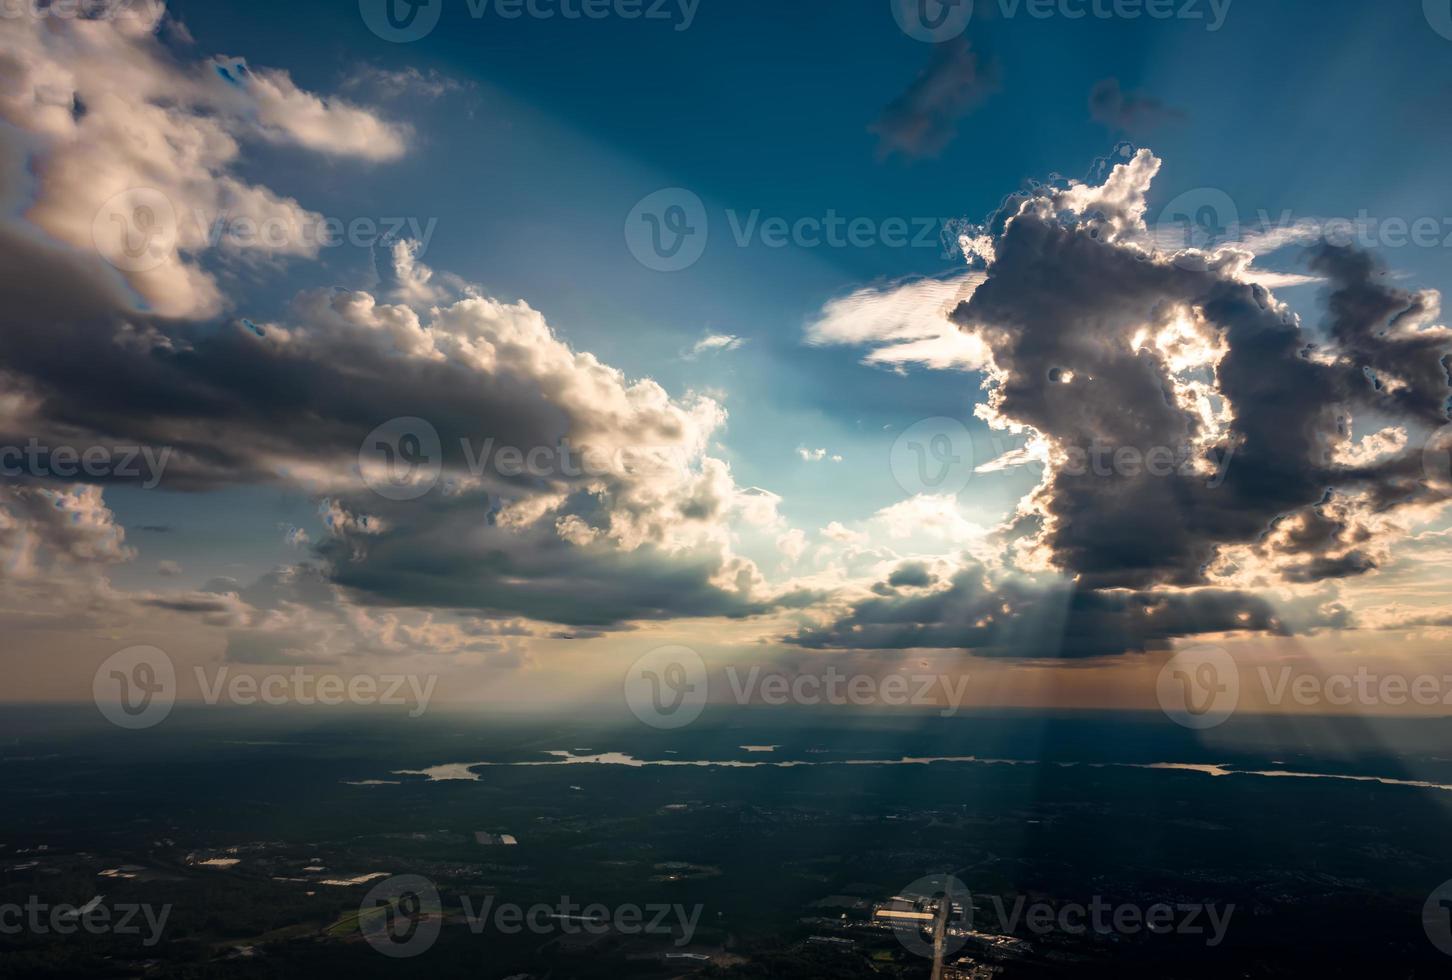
column 940, row 935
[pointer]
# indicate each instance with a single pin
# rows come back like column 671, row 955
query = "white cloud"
column 132, row 149
column 715, row 343
column 904, row 324
column 792, row 544
column 935, row 516
column 807, row 455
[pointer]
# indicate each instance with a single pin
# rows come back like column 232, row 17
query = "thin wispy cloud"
column 923, row 120
column 714, row 343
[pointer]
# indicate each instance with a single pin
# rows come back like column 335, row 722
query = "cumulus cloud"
column 1269, row 489
column 933, row 515
column 283, row 113
column 44, row 529
column 630, row 514
column 134, row 151
column 621, row 514
column 1134, row 349
column 1014, row 617
column 57, row 547
column 641, row 533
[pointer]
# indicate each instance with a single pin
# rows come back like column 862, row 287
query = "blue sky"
column 530, row 171
column 526, row 143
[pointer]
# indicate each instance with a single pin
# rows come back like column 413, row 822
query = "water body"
column 563, row 757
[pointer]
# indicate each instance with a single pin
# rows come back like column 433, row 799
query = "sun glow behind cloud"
column 516, row 573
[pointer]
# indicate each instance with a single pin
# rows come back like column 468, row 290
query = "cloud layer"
column 1198, row 441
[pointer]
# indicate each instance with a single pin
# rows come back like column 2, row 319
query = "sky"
column 1035, row 343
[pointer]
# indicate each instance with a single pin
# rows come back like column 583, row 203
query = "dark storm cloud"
column 1321, row 567
column 913, row 573
column 188, row 604
column 1023, row 620
column 924, row 118
column 1363, row 310
column 1134, row 113
column 449, row 559
column 227, row 402
column 1060, row 298
column 237, row 405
